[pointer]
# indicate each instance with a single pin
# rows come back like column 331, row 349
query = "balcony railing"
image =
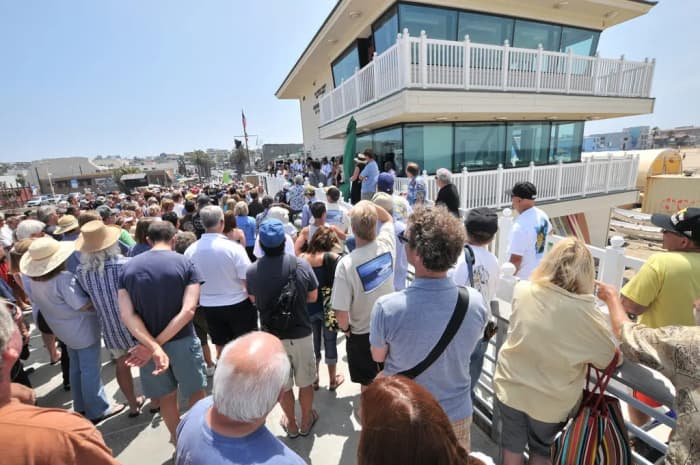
column 423, row 63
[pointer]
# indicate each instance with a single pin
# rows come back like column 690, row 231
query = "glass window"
column 428, row 145
column 566, row 141
column 479, row 145
column 364, row 141
column 437, row 23
column 385, row 31
column 529, row 34
column 580, row 41
column 344, row 66
column 527, row 142
column 485, row 29
column 388, row 148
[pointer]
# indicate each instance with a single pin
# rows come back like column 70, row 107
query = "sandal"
column 139, row 405
column 315, row 416
column 116, row 410
column 339, row 379
column 315, row 385
column 290, row 434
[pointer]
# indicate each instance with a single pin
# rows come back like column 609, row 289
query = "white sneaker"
column 210, row 371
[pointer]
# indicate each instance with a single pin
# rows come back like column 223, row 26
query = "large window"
column 385, row 31
column 438, row 23
column 363, row 141
column 526, row 142
column 529, row 34
column 485, row 29
column 344, row 67
column 580, row 41
column 565, row 143
column 479, row 145
column 428, row 145
column 388, row 148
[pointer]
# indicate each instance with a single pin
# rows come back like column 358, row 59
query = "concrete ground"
column 144, row 440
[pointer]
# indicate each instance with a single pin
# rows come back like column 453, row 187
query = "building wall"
column 59, row 167
column 310, row 119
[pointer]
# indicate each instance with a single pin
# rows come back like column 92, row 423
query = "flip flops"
column 311, row 426
column 138, row 408
column 289, row 434
column 339, row 379
column 119, row 408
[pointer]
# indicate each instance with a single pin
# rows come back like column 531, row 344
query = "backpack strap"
column 470, row 260
column 453, row 325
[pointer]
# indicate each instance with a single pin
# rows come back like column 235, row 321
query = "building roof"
column 343, row 25
column 132, row 177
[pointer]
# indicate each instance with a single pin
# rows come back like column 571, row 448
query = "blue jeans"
column 330, row 339
column 476, row 364
column 86, row 384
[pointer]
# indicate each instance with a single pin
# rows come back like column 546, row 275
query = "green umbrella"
column 349, row 157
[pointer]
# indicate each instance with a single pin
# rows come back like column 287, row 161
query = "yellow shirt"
column 667, row 284
column 553, row 335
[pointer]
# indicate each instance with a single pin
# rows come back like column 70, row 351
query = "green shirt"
column 126, row 238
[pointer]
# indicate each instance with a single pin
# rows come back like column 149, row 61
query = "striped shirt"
column 102, row 289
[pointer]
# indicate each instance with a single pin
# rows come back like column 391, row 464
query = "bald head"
column 249, row 377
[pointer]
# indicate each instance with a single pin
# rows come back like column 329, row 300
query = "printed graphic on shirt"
column 334, row 216
column 375, row 272
column 481, row 278
column 541, row 231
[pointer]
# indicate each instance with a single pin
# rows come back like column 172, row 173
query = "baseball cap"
column 481, row 219
column 271, row 233
column 105, row 211
column 203, row 199
column 686, row 222
column 524, row 190
column 385, row 183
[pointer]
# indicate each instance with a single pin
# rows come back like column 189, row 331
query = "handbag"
column 453, row 325
column 597, row 435
column 329, row 319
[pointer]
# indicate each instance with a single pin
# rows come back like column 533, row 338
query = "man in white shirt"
column 528, row 237
column 7, row 227
column 336, row 214
column 223, row 264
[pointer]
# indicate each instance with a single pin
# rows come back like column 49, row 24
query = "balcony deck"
column 421, row 63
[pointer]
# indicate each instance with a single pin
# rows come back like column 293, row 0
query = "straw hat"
column 45, row 255
column 360, row 158
column 66, row 223
column 96, row 236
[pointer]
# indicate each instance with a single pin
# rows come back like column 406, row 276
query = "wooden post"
column 467, row 61
column 423, row 60
column 504, row 65
column 539, row 67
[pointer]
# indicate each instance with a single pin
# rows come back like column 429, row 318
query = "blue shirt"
column 306, row 213
column 198, row 444
column 247, row 224
column 410, row 323
column 371, row 172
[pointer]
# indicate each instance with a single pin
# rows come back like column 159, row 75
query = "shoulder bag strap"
column 455, row 322
column 469, row 258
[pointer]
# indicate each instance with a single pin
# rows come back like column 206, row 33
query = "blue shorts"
column 186, row 370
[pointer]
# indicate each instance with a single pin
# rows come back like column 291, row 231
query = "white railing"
column 593, row 175
column 420, row 62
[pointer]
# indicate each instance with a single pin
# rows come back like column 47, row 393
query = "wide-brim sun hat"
column 66, row 223
column 361, row 158
column 96, row 236
column 45, row 254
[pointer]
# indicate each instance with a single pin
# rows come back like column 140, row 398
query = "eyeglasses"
column 402, row 238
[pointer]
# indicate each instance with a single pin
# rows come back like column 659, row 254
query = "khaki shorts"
column 301, row 356
column 116, row 354
column 462, row 429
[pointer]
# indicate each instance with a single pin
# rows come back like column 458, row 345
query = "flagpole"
column 245, row 138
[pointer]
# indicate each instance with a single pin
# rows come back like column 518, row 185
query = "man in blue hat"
column 280, row 285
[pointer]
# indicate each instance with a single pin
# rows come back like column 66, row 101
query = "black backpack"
column 283, row 316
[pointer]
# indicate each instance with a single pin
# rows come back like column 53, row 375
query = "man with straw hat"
column 101, row 264
column 68, row 311
column 69, row 229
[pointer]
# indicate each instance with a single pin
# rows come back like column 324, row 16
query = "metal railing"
column 423, row 63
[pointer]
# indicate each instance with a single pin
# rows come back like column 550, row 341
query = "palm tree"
column 201, row 161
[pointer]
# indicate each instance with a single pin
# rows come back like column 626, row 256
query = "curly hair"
column 323, row 240
column 436, row 235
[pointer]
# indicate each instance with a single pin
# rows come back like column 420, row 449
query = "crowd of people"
column 274, row 281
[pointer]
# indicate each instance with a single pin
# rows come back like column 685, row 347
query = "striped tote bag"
column 597, row 435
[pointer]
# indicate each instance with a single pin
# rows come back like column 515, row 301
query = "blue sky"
column 128, row 77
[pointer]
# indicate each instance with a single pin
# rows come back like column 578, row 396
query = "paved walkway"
column 144, row 440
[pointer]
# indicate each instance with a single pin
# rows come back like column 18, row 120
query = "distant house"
column 273, row 151
column 135, row 180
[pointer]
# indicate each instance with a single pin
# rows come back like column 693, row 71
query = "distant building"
column 634, row 138
column 42, row 172
column 273, row 151
column 160, row 177
column 95, row 182
column 682, row 136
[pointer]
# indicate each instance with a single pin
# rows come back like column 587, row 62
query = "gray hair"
column 211, row 216
column 444, row 175
column 245, row 396
column 95, row 261
column 43, row 213
column 299, row 180
column 28, row 228
column 7, row 328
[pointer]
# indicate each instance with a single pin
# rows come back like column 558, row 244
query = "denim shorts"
column 186, row 370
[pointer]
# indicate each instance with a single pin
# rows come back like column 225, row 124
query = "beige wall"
column 310, row 121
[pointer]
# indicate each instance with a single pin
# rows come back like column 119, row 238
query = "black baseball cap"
column 686, row 222
column 481, row 219
column 524, row 190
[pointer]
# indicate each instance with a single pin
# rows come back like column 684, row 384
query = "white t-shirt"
column 288, row 246
column 363, row 276
column 486, row 272
column 337, row 216
column 528, row 239
column 223, row 264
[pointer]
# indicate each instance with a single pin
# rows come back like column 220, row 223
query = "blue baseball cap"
column 385, row 183
column 271, row 233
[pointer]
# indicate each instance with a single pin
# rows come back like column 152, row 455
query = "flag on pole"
column 245, row 132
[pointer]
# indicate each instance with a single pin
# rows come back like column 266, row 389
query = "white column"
column 505, row 224
column 531, row 172
column 405, row 57
column 612, row 266
column 569, row 66
column 539, row 67
column 504, row 65
column 376, row 76
column 650, row 77
column 596, row 72
column 467, row 61
column 620, row 66
column 560, row 177
column 423, row 60
column 586, row 174
column 499, row 185
column 608, row 172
